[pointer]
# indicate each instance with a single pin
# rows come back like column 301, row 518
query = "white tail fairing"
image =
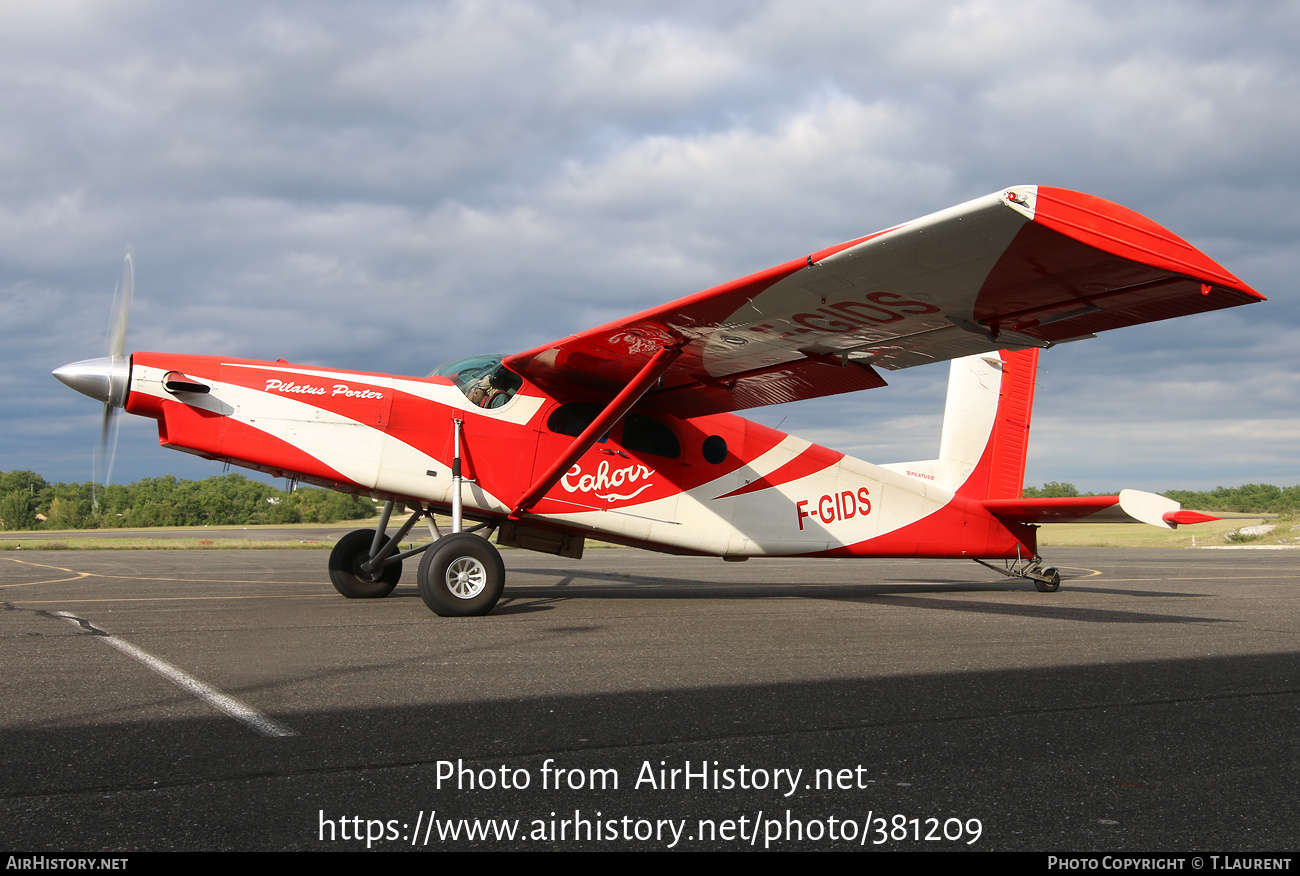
column 986, row 419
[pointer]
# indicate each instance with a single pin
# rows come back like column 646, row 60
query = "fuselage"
column 716, row 485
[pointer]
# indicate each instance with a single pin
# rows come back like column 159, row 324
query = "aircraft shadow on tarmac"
column 522, row 597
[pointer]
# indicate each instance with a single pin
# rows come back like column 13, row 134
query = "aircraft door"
column 632, row 475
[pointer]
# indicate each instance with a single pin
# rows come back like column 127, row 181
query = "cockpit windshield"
column 483, row 379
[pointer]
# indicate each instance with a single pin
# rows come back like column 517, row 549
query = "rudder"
column 1009, row 443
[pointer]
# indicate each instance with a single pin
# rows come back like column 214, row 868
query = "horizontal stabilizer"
column 1130, row 506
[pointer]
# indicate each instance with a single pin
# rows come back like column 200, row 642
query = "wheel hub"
column 466, row 578
column 358, row 568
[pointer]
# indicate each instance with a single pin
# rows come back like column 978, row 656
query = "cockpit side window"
column 484, row 380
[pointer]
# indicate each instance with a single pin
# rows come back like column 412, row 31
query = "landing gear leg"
column 462, row 575
column 1047, row 579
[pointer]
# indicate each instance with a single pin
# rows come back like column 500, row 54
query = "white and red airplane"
column 626, row 433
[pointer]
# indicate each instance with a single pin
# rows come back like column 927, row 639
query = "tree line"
column 1247, row 499
column 28, row 501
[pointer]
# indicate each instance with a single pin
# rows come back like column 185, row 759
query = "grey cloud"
column 389, row 186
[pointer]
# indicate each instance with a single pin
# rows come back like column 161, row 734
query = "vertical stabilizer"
column 997, row 467
column 985, row 437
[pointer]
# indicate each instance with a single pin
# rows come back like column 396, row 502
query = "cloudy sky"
column 390, row 185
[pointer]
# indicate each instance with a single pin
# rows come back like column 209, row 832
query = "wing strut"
column 614, row 411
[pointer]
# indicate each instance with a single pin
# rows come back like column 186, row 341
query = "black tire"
column 351, row 551
column 461, row 576
column 1053, row 582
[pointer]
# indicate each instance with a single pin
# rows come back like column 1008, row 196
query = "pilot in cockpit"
column 489, row 391
column 484, row 380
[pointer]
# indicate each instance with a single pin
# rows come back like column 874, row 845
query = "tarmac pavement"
column 1151, row 704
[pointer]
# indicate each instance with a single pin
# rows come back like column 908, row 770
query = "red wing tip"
column 1123, row 232
column 1184, row 518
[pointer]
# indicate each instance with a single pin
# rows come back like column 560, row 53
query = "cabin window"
column 574, row 418
column 647, row 435
column 715, row 449
column 641, row 434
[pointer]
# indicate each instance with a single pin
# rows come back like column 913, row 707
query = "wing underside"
column 1029, row 266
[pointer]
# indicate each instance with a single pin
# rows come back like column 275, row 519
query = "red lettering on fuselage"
column 834, row 507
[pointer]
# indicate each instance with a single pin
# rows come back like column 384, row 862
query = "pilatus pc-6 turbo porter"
column 626, row 433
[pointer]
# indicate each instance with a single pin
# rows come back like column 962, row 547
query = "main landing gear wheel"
column 1050, row 581
column 461, row 576
column 351, row 551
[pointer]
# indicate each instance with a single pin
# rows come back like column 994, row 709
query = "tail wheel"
column 1050, row 582
column 351, row 551
column 461, row 576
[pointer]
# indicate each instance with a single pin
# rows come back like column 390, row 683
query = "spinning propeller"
column 109, row 377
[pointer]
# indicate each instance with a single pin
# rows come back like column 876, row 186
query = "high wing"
column 1029, row 266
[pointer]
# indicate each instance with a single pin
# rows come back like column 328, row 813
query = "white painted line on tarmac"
column 210, row 695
